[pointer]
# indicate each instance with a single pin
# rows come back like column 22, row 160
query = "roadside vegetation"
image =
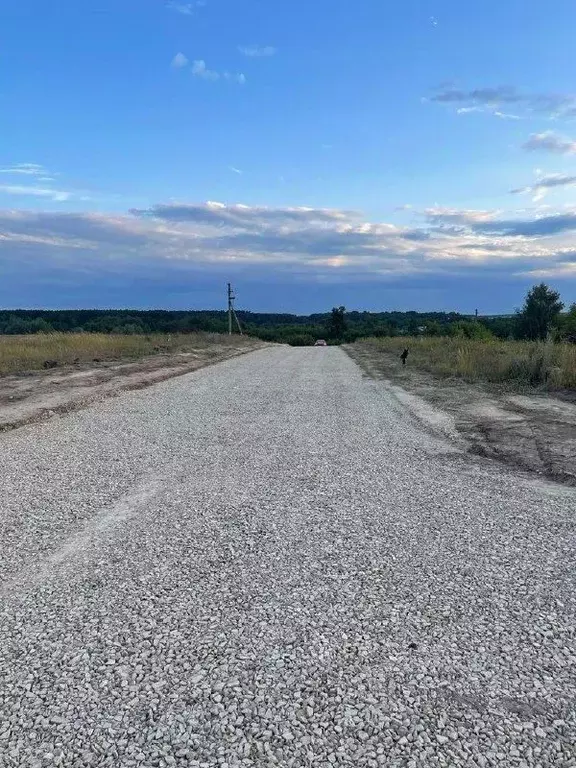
column 35, row 351
column 542, row 355
column 515, row 364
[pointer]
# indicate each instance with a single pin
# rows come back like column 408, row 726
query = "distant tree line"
column 299, row 330
column 541, row 317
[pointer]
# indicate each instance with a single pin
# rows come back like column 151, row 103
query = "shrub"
column 300, row 340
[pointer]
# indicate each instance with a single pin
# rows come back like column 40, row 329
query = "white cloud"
column 492, row 100
column 564, row 269
column 257, row 51
column 25, row 169
column 544, row 184
column 199, row 69
column 179, row 61
column 38, row 183
column 504, row 227
column 186, row 9
column 548, row 141
column 327, row 244
column 468, row 110
column 442, row 215
column 487, row 110
column 53, row 194
column 506, row 115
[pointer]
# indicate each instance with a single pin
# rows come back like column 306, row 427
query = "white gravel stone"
column 271, row 562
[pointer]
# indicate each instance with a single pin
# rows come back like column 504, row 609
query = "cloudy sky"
column 414, row 155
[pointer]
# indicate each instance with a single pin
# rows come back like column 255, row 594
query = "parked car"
column 320, row 343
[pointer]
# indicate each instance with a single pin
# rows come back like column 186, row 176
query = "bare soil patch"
column 533, row 431
column 38, row 395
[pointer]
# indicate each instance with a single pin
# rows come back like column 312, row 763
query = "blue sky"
column 419, row 155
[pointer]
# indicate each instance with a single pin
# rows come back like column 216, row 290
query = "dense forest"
column 542, row 314
column 291, row 329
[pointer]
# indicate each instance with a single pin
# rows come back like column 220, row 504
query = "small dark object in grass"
column 76, row 360
column 413, row 646
column 50, row 364
column 97, row 360
column 403, row 356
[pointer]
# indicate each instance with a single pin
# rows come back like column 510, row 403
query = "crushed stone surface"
column 272, row 562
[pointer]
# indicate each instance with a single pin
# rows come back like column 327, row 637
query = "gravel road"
column 275, row 562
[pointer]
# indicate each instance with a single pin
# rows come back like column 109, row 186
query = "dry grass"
column 28, row 353
column 514, row 364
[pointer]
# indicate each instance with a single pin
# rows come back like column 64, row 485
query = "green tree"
column 18, row 326
column 541, row 309
column 299, row 340
column 566, row 326
column 470, row 329
column 501, row 327
column 337, row 325
column 433, row 328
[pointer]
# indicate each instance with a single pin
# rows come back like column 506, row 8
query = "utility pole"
column 230, row 308
column 232, row 312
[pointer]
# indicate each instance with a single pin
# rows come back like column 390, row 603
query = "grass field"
column 28, row 353
column 516, row 364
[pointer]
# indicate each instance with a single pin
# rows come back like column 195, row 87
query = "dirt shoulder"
column 534, row 432
column 40, row 395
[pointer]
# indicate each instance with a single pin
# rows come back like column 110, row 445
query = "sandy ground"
column 535, row 432
column 30, row 397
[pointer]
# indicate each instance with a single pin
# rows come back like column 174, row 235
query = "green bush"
column 469, row 330
column 300, row 340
